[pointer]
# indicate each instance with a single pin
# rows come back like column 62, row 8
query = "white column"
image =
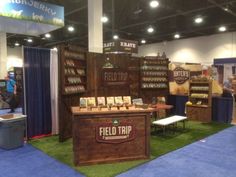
column 95, row 29
column 3, row 55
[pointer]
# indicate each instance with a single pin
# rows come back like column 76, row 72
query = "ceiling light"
column 17, row 44
column 176, row 36
column 47, row 35
column 104, row 19
column 198, row 20
column 71, row 28
column 222, row 29
column 150, row 29
column 30, row 40
column 115, row 37
column 143, row 41
column 154, row 4
column 226, row 9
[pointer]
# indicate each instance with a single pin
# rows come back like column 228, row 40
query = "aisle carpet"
column 30, row 162
column 214, row 156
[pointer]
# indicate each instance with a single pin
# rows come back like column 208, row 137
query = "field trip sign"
column 116, row 131
column 31, row 13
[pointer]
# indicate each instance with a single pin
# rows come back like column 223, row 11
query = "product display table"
column 103, row 136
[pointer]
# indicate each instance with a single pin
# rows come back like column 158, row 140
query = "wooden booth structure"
column 85, row 74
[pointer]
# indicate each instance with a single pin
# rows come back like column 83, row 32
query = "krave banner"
column 120, row 46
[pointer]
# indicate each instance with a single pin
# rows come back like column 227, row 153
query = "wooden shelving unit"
column 200, row 95
column 154, row 73
column 153, row 78
column 73, row 70
column 72, row 84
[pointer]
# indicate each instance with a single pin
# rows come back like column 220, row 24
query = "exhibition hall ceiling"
column 130, row 19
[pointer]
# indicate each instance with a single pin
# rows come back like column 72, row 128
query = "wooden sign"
column 114, row 76
column 120, row 46
column 181, row 75
column 115, row 132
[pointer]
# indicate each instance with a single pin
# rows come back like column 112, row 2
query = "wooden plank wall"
column 95, row 87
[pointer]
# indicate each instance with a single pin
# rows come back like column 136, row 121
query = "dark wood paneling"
column 87, row 150
column 95, row 87
column 66, row 100
column 199, row 113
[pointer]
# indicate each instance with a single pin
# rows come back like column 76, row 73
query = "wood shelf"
column 77, row 64
column 154, row 67
column 199, row 98
column 196, row 111
column 196, row 105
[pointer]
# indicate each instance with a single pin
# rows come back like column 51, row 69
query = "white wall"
column 195, row 50
column 14, row 57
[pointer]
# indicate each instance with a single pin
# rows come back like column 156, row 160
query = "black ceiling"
column 132, row 17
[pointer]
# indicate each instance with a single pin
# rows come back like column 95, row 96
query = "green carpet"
column 159, row 145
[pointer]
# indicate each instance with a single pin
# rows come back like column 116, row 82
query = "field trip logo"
column 181, row 75
column 115, row 131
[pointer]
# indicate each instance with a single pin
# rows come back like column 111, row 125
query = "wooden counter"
column 110, row 135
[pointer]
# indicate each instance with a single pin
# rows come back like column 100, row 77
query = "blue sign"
column 32, row 10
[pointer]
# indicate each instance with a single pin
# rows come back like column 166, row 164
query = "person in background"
column 11, row 92
column 228, row 91
column 227, row 88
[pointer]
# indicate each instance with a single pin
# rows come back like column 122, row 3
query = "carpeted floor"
column 214, row 156
column 30, row 162
column 159, row 144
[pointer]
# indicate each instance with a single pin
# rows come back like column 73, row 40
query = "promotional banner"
column 179, row 76
column 31, row 10
column 30, row 17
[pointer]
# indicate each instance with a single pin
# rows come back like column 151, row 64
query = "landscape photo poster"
column 137, row 101
column 110, row 100
column 127, row 99
column 101, row 101
column 118, row 100
column 91, row 101
column 83, row 102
